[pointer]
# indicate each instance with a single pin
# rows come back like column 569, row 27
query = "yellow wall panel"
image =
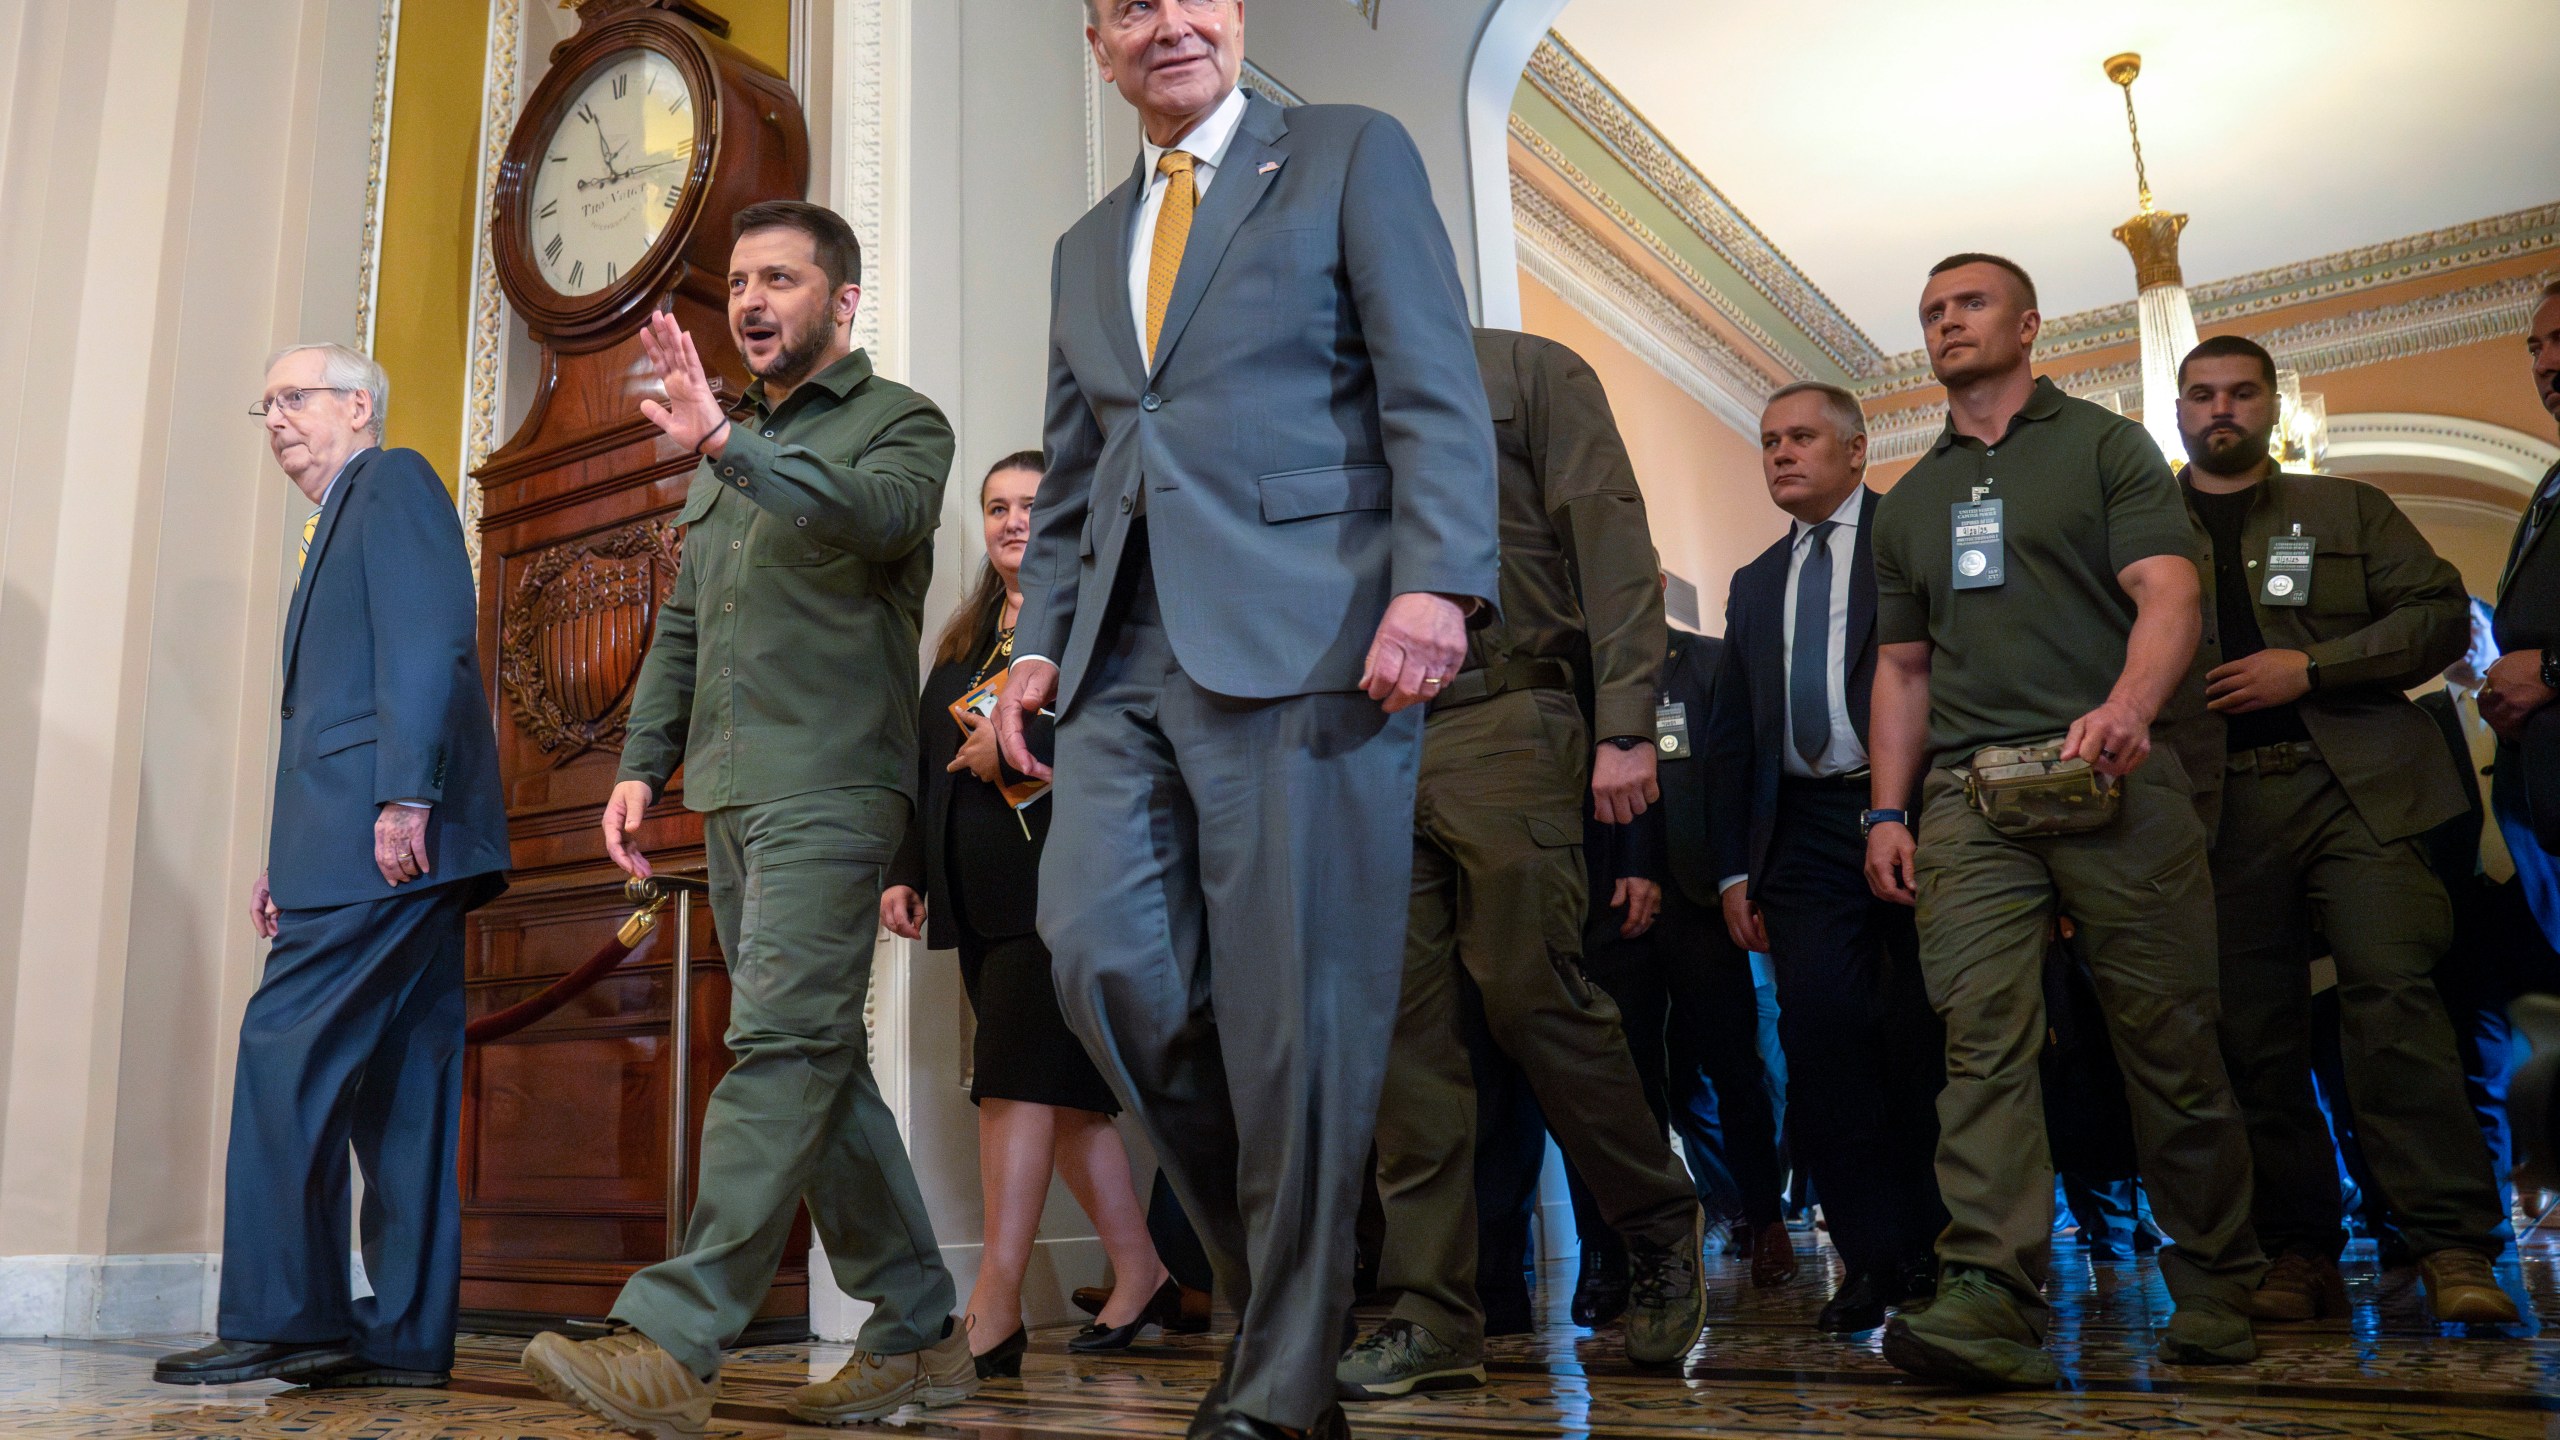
column 762, row 28
column 423, row 323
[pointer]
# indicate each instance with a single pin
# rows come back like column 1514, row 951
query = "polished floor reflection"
column 1761, row 1372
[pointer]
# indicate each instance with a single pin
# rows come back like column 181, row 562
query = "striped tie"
column 1173, row 231
column 310, row 527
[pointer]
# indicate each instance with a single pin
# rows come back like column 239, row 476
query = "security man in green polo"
column 2328, row 606
column 1508, row 763
column 2036, row 585
column 783, row 678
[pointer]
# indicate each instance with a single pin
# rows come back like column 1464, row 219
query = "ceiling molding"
column 1628, row 306
column 2383, row 442
column 1560, row 74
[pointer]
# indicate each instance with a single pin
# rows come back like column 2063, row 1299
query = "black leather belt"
column 2281, row 759
column 1859, row 780
column 1470, row 687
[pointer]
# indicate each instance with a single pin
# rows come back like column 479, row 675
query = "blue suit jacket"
column 1313, row 434
column 1748, row 728
column 382, row 697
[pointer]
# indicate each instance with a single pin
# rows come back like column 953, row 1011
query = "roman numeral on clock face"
column 551, row 252
column 549, row 209
column 578, row 272
column 621, row 85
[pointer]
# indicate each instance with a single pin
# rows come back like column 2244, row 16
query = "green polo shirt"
column 785, row 661
column 2084, row 494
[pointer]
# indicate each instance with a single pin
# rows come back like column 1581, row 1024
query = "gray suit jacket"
column 1313, row 436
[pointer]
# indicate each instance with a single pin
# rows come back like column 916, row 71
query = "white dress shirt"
column 1207, row 144
column 1843, row 753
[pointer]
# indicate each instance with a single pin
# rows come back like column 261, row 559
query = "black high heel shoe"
column 1005, row 1361
column 1165, row 1306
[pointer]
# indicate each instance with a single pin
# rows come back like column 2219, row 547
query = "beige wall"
column 1701, row 478
column 161, row 174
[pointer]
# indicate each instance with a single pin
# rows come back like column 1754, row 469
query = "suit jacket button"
column 288, row 712
column 1151, row 404
column 1125, row 508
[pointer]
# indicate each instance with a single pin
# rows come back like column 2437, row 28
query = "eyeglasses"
column 292, row 401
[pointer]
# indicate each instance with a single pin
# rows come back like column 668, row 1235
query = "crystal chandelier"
column 2168, row 320
column 2301, row 438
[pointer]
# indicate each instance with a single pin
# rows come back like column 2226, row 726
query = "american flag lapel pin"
column 1267, row 167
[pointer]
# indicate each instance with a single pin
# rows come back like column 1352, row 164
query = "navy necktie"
column 1809, row 674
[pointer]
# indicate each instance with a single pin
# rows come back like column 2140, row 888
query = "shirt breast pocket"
column 774, row 541
column 2337, row 583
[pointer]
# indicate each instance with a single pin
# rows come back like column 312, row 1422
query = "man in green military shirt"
column 1499, row 889
column 2035, row 582
column 2328, row 605
column 783, row 679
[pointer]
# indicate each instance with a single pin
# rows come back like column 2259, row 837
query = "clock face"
column 610, row 175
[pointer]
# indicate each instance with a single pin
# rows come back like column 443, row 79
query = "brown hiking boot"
column 2298, row 1287
column 875, row 1387
column 624, row 1379
column 2460, row 1288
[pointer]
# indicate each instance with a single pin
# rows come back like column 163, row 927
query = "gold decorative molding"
column 485, row 357
column 1628, row 305
column 386, row 69
column 1631, row 229
column 2151, row 238
column 1559, row 72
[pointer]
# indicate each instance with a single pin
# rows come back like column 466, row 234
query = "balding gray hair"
column 348, row 369
column 1847, row 420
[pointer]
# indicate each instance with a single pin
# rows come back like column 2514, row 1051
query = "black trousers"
column 1866, row 1054
column 354, row 1035
column 1693, row 1022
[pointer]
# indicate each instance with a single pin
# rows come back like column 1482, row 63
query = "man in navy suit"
column 2524, row 784
column 1788, row 739
column 389, row 826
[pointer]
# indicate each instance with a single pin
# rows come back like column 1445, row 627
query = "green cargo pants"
column 2141, row 897
column 2295, row 859
column 798, row 1119
column 1499, row 888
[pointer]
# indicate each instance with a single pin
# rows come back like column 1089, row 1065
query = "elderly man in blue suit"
column 1268, row 512
column 389, row 825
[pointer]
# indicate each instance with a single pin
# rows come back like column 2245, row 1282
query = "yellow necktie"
column 1173, row 231
column 310, row 527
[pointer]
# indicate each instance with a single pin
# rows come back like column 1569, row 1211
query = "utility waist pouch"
column 2032, row 790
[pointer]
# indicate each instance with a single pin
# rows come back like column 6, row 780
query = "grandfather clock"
column 648, row 133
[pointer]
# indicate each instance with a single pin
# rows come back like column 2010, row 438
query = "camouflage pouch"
column 2031, row 790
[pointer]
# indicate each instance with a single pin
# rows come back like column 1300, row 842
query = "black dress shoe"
column 363, row 1374
column 1857, row 1307
column 237, row 1362
column 1232, row 1425
column 1164, row 1309
column 1600, row 1295
column 1005, row 1361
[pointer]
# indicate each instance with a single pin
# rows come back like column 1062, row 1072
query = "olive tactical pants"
column 798, row 1119
column 1498, row 887
column 2140, row 894
column 2294, row 859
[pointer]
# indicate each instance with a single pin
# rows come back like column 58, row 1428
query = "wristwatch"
column 1868, row 820
column 1625, row 742
column 2551, row 669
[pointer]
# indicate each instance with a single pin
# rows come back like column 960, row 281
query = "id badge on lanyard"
column 2288, row 569
column 1974, row 528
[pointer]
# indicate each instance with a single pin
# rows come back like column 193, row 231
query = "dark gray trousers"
column 1277, row 837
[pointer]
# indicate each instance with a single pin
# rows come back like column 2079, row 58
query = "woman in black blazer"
column 967, row 877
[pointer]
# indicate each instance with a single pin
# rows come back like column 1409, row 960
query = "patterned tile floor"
column 1760, row 1372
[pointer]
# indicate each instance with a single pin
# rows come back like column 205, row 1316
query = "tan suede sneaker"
column 2461, row 1287
column 875, row 1387
column 623, row 1379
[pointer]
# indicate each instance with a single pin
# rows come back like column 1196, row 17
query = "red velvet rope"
column 498, row 1024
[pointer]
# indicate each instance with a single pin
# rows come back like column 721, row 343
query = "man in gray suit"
column 1268, row 514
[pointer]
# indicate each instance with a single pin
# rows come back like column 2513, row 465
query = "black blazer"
column 2526, row 780
column 1004, row 890
column 1696, row 800
column 382, row 697
column 1747, row 730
